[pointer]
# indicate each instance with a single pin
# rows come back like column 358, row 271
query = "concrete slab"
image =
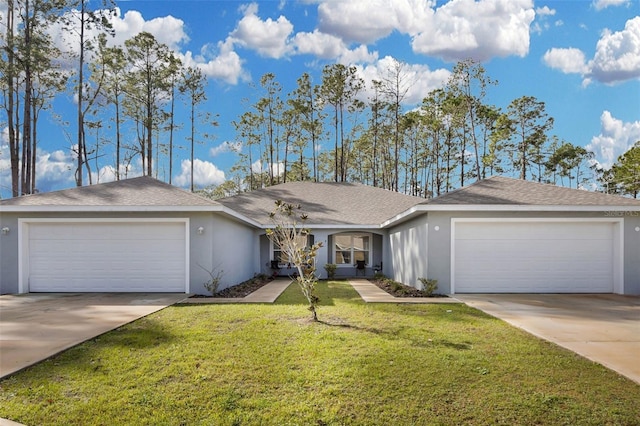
column 36, row 326
column 371, row 293
column 604, row 328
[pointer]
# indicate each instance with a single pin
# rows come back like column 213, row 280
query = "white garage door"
column 534, row 257
column 106, row 257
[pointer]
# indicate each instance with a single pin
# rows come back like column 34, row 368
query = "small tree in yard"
column 290, row 235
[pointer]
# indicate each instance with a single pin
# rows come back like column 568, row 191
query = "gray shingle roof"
column 499, row 190
column 135, row 192
column 326, row 203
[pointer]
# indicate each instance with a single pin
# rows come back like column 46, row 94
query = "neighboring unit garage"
column 103, row 255
column 536, row 256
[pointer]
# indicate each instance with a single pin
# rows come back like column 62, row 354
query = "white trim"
column 241, row 217
column 106, row 208
column 272, row 250
column 537, row 219
column 371, row 228
column 618, row 243
column 413, row 211
column 526, row 208
column 615, row 211
column 352, row 234
column 23, row 240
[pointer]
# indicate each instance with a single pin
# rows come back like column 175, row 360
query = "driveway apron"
column 604, row 328
column 34, row 327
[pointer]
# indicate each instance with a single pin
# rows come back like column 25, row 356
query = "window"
column 282, row 257
column 349, row 248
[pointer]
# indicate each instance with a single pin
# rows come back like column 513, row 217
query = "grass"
column 363, row 364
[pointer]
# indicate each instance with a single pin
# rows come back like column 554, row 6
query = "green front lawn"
column 376, row 364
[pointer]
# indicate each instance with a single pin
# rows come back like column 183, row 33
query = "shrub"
column 379, row 276
column 428, row 285
column 212, row 285
column 331, row 270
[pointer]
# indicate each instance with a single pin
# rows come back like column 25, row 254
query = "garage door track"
column 34, row 327
column 604, row 328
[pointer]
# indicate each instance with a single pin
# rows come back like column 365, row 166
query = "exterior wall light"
column 637, row 229
column 437, row 228
column 5, row 230
column 200, row 230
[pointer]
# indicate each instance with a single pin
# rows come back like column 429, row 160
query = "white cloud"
column 617, row 55
column 220, row 62
column 541, row 24
column 217, row 60
column 167, row 30
column 204, row 174
column 420, row 79
column 545, row 11
column 224, row 147
column 256, row 167
column 54, row 170
column 456, row 30
column 360, row 54
column 327, row 46
column 477, row 29
column 568, row 61
column 603, row 4
column 366, row 21
column 108, row 173
column 259, row 166
column 319, row 44
column 268, row 37
column 615, row 138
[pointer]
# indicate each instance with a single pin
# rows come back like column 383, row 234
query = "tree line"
column 337, row 129
column 125, row 95
column 453, row 138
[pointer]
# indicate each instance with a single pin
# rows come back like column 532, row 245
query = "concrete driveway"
column 604, row 328
column 34, row 327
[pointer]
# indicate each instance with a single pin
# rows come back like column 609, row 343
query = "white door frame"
column 618, row 242
column 23, row 241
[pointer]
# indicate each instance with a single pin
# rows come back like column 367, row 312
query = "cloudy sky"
column 581, row 57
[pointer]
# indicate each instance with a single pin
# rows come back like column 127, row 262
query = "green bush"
column 331, row 270
column 428, row 285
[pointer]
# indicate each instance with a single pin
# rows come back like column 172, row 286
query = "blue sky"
column 581, row 57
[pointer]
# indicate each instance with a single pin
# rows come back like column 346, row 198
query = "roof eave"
column 234, row 214
column 106, row 209
column 527, row 207
column 422, row 208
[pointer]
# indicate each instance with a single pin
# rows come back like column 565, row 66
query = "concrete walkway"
column 371, row 293
column 604, row 328
column 265, row 294
column 34, row 326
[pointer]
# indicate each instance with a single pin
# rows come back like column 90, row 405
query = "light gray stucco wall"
column 233, row 250
column 225, row 243
column 9, row 254
column 632, row 253
column 409, row 251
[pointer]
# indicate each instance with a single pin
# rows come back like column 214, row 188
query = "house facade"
column 497, row 235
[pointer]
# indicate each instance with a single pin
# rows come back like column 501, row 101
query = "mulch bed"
column 397, row 289
column 241, row 290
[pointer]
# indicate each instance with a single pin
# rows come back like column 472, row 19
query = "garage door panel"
column 104, row 256
column 533, row 257
column 536, row 231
